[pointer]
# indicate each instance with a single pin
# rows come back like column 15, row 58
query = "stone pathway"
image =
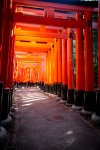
column 41, row 123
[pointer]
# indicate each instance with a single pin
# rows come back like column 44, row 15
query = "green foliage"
column 95, row 54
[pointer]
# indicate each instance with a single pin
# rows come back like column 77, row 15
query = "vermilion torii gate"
column 36, row 45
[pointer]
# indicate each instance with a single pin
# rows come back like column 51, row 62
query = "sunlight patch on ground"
column 27, row 104
column 69, row 132
column 26, row 101
column 26, row 98
column 31, row 98
column 16, row 108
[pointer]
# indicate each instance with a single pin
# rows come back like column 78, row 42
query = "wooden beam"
column 63, row 7
column 32, row 44
column 30, row 49
column 40, row 34
column 19, row 17
column 31, row 38
column 30, row 59
column 38, row 12
column 34, row 28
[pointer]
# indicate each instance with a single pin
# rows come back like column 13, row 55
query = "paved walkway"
column 41, row 123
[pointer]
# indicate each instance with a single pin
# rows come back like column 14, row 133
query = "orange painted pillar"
column 80, row 76
column 90, row 96
column 1, row 23
column 64, row 70
column 70, row 66
column 35, row 76
column 39, row 74
column 42, row 74
column 1, row 28
column 55, row 67
column 52, row 68
column 42, row 71
column 47, row 73
column 5, row 42
column 59, row 48
column 44, row 57
column 11, row 54
column 49, row 69
column 11, row 65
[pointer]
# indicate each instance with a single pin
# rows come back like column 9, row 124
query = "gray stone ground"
column 41, row 123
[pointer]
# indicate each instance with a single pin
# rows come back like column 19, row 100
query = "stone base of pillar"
column 59, row 89
column 7, row 123
column 3, row 138
column 98, row 103
column 90, row 101
column 77, row 108
column 12, row 109
column 64, row 89
column 46, row 88
column 63, row 101
column 68, row 105
column 51, row 89
column 79, row 98
column 86, row 113
column 55, row 88
column 95, row 119
column 42, row 85
column 70, row 97
column 11, row 114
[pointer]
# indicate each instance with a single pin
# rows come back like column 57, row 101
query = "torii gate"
column 50, row 16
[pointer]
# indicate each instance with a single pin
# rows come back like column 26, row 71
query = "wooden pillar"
column 1, row 28
column 42, row 71
column 90, row 96
column 47, row 73
column 80, row 76
column 70, row 66
column 52, row 68
column 44, row 57
column 11, row 65
column 64, row 70
column 55, row 66
column 5, row 42
column 59, row 48
column 11, row 52
column 1, row 23
column 42, row 74
column 49, row 69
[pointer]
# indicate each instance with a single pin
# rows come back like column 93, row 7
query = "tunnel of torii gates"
column 36, row 46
